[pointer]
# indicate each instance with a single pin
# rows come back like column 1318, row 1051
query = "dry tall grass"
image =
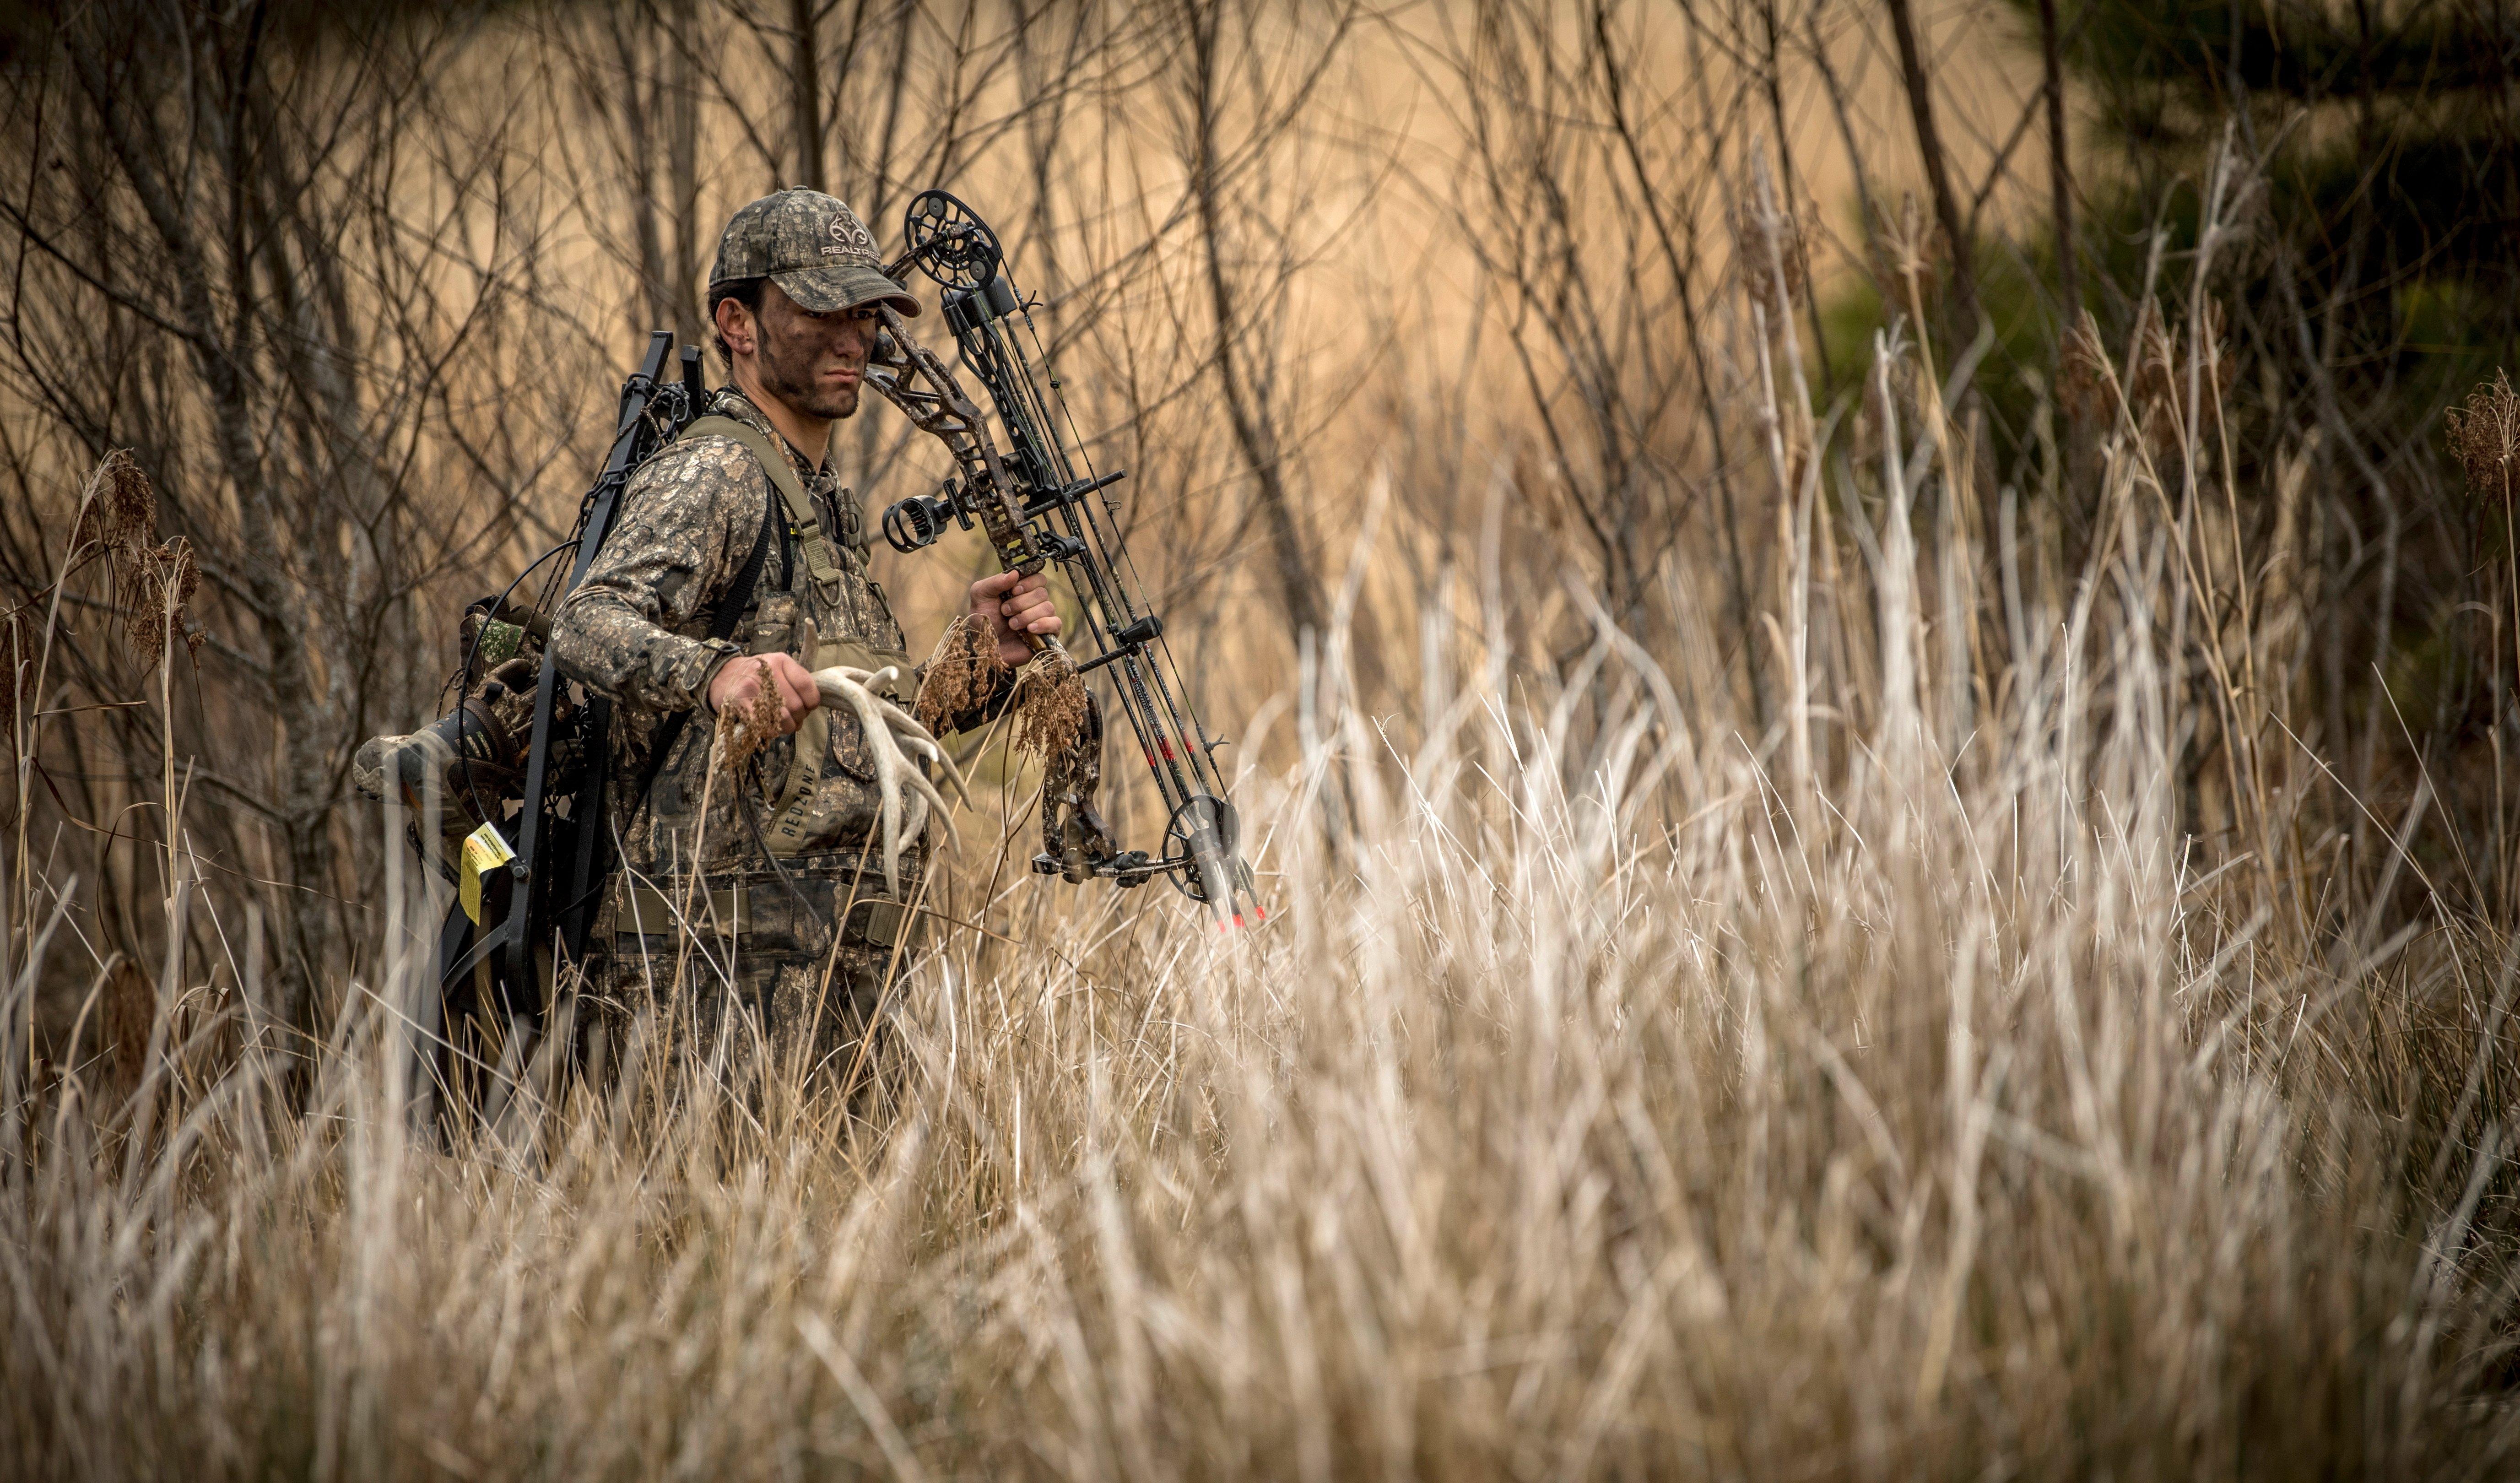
column 1899, row 1094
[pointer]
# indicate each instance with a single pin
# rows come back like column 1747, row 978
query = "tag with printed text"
column 484, row 849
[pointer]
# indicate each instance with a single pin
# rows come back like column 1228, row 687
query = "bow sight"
column 1042, row 502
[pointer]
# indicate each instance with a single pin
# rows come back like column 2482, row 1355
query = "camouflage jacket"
column 637, row 630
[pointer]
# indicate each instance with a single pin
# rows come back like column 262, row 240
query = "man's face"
column 815, row 363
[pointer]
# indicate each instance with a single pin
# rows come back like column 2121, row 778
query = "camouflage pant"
column 756, row 973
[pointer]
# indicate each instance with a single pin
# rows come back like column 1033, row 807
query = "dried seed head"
column 1914, row 247
column 2155, row 383
column 21, row 641
column 2485, row 436
column 2154, row 379
column 743, row 734
column 2214, row 344
column 2085, row 388
column 128, row 1014
column 1049, row 704
column 962, row 674
column 158, row 583
column 118, row 511
column 1770, row 253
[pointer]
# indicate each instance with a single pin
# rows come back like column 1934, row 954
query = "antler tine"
column 885, row 737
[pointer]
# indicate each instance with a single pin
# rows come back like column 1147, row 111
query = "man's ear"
column 736, row 325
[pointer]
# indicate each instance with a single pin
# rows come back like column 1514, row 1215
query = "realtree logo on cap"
column 849, row 238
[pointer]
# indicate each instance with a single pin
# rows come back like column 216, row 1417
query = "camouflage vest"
column 814, row 792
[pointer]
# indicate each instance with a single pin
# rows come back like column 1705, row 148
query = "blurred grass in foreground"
column 1611, row 1093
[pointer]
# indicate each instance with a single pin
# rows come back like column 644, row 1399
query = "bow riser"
column 1041, row 502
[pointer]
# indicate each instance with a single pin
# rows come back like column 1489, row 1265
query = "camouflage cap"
column 812, row 247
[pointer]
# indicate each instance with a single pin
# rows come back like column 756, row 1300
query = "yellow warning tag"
column 484, row 849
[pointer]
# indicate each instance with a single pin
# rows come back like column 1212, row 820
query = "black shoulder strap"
column 729, row 611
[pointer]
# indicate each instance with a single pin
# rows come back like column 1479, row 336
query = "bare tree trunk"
column 661, row 85
column 682, row 167
column 1246, row 399
column 1800, row 245
column 2060, row 175
column 805, row 92
column 218, row 360
column 2069, row 290
column 1962, row 301
column 638, row 96
column 297, row 330
column 1684, row 275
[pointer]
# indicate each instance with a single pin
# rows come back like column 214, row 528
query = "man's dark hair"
column 743, row 291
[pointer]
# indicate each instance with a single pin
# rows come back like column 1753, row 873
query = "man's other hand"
column 738, row 681
column 1013, row 610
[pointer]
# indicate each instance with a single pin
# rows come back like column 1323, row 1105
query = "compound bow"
column 1041, row 502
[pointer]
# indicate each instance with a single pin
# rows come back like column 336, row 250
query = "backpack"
column 503, row 788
